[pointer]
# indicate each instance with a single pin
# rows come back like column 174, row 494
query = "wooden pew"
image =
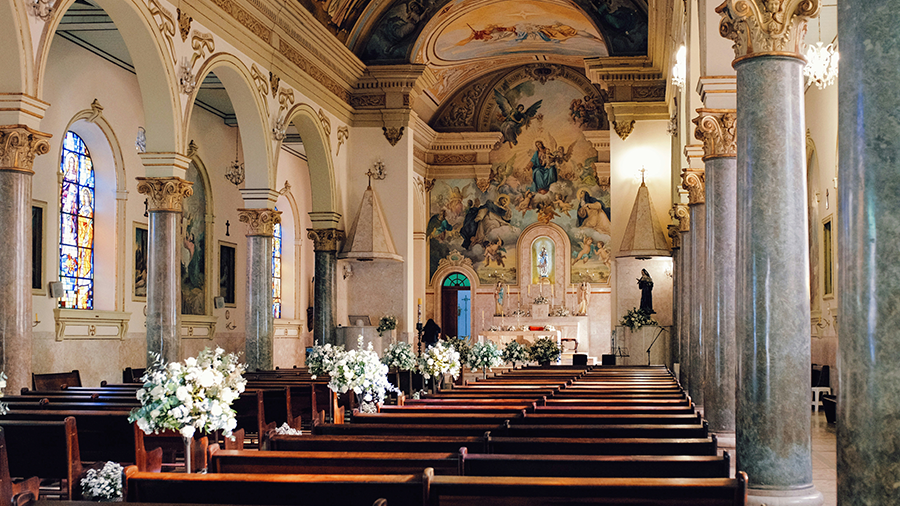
column 47, row 449
column 504, row 429
column 418, row 430
column 289, row 462
column 533, row 491
column 15, row 494
column 55, row 381
column 600, row 446
column 442, row 418
column 595, row 466
column 277, row 489
column 384, row 444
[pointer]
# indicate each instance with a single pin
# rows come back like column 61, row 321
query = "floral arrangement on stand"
column 494, row 328
column 540, row 299
column 361, row 371
column 462, row 347
column 399, row 356
column 387, row 322
column 544, row 350
column 190, row 397
column 515, row 352
column 4, row 407
column 636, row 318
column 484, row 356
column 321, row 359
column 519, row 312
column 561, row 311
column 440, row 359
column 104, row 484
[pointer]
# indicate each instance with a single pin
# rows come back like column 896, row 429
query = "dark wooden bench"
column 543, row 418
column 442, row 418
column 55, row 381
column 18, row 493
column 276, row 489
column 600, row 446
column 289, row 462
column 47, row 449
column 384, row 444
column 102, row 435
column 421, row 430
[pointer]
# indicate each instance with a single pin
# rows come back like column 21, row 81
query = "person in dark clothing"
column 430, row 333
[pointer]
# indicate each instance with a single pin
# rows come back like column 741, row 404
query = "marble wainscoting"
column 96, row 359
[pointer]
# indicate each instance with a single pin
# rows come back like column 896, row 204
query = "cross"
column 370, row 174
column 643, row 170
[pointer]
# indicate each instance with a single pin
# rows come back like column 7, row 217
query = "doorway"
column 456, row 305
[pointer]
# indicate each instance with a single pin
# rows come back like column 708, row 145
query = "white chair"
column 817, row 396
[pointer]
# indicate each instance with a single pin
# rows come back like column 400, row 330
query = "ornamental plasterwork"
column 326, row 123
column 623, row 128
column 165, row 193
column 716, row 128
column 393, row 134
column 41, row 9
column 681, row 213
column 19, row 145
column 184, row 24
column 765, row 26
column 674, row 236
column 260, row 222
column 455, row 259
column 325, row 239
column 96, row 112
column 429, row 184
column 274, row 81
column 694, row 181
column 165, row 23
column 262, row 86
column 343, row 133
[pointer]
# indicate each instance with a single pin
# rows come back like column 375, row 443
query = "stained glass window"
column 76, row 216
column 456, row 280
column 276, row 270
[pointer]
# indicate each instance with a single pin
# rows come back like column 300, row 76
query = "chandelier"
column 235, row 173
column 822, row 65
column 679, row 70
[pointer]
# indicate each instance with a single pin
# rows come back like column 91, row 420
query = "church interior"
column 269, row 175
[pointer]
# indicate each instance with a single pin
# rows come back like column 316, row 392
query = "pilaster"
column 260, row 338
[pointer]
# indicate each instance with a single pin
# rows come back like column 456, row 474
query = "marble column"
column 716, row 128
column 675, row 355
column 685, row 296
column 694, row 183
column 772, row 420
column 165, row 196
column 868, row 427
column 325, row 243
column 260, row 339
column 19, row 145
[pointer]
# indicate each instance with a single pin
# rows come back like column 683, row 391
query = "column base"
column 726, row 441
column 801, row 497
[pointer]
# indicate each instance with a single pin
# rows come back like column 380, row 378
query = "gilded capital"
column 325, row 239
column 716, row 128
column 766, row 26
column 681, row 213
column 694, row 181
column 260, row 222
column 19, row 145
column 675, row 236
column 165, row 193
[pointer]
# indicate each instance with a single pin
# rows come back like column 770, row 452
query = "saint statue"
column 543, row 263
column 584, row 297
column 499, row 295
column 645, row 283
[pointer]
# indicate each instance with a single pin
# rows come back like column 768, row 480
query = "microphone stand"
column 654, row 342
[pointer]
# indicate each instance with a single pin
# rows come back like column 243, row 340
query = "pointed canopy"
column 644, row 236
column 369, row 237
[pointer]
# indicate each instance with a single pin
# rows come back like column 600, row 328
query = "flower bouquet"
column 320, row 359
column 540, row 299
column 387, row 322
column 103, row 485
column 4, row 407
column 636, row 318
column 399, row 356
column 361, row 371
column 515, row 352
column 438, row 360
column 544, row 351
column 484, row 356
column 462, row 347
column 189, row 397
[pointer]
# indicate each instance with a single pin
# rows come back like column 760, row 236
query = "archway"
column 15, row 59
column 321, row 169
column 456, row 305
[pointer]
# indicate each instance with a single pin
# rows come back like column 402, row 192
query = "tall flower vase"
column 188, row 455
column 195, row 454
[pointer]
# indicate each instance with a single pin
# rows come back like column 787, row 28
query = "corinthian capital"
column 19, row 145
column 694, row 181
column 681, row 213
column 165, row 193
column 716, row 128
column 260, row 222
column 325, row 239
column 766, row 26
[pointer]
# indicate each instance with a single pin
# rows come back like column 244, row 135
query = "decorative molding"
column 694, row 181
column 274, row 81
column 455, row 259
column 766, row 26
column 674, row 235
column 19, row 145
column 165, row 24
column 483, row 184
column 90, row 324
column 192, row 149
column 202, row 42
column 184, row 24
column 623, row 128
column 96, row 112
column 325, row 239
column 312, row 70
column 260, row 222
column 262, row 85
column 289, row 329
column 543, row 72
column 716, row 128
column 343, row 133
column 40, row 9
column 165, row 193
column 680, row 213
column 429, row 184
column 393, row 134
column 367, row 101
column 198, row 326
column 246, row 19
column 461, row 112
column 285, row 101
column 326, row 123
column 648, row 93
column 455, row 158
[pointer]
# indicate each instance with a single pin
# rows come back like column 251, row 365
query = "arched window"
column 456, row 279
column 76, row 225
column 276, row 270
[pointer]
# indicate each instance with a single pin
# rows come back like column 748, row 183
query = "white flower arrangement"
column 515, row 352
column 193, row 396
column 438, row 360
column 387, row 322
column 360, row 370
column 494, row 328
column 484, row 356
column 105, row 484
column 400, row 356
column 561, row 311
column 4, row 407
column 540, row 299
column 321, row 359
column 287, row 430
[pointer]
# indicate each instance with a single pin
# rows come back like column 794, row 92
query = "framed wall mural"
column 193, row 248
column 226, row 272
column 38, row 246
column 141, row 234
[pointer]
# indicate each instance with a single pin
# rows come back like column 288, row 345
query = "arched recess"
column 210, row 284
column 562, row 256
column 110, row 199
column 318, row 154
column 292, row 233
column 463, row 267
column 250, row 111
column 15, row 58
column 153, row 57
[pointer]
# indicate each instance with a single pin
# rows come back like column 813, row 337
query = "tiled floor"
column 824, row 458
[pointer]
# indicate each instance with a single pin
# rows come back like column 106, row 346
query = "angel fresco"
column 592, row 213
column 514, row 119
column 438, row 226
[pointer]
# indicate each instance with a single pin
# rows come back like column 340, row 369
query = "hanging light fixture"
column 235, row 173
column 821, row 62
column 679, row 70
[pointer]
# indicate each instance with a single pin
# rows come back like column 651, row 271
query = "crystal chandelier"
column 822, row 65
column 679, row 70
column 235, row 173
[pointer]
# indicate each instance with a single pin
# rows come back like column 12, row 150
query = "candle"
column 35, row 317
column 420, row 301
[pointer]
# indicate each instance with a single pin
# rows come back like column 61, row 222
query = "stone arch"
column 250, row 110
column 296, row 233
column 317, row 145
column 210, row 288
column 153, row 63
column 437, row 281
column 15, row 59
